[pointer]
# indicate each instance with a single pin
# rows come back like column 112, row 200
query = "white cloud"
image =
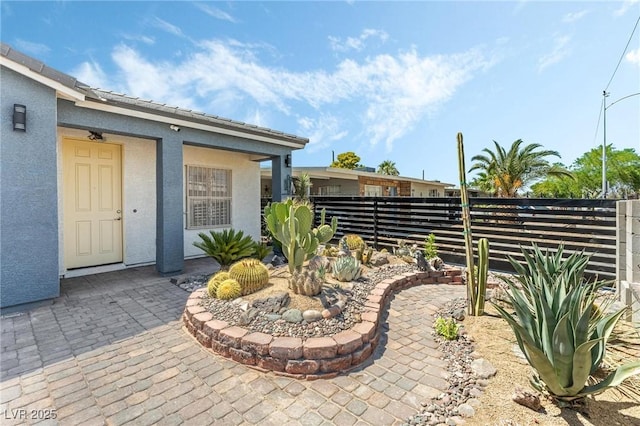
column 559, row 52
column 215, row 12
column 574, row 16
column 138, row 37
column 167, row 27
column 633, row 56
column 626, row 6
column 356, row 43
column 92, row 74
column 390, row 94
column 321, row 131
column 36, row 49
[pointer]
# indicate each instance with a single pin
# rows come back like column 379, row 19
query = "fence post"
column 375, row 223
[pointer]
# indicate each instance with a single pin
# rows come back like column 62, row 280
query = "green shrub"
column 447, row 328
column 260, row 251
column 226, row 247
column 555, row 327
column 430, row 248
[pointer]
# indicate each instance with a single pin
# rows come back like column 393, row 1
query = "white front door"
column 92, row 203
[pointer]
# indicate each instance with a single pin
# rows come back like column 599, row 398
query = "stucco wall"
column 28, row 193
column 245, row 190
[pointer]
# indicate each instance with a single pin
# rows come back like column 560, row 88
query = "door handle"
column 118, row 218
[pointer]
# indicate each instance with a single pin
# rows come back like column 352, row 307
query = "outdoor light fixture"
column 287, row 160
column 19, row 118
column 95, row 136
column 174, row 128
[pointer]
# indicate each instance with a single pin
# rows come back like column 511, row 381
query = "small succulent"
column 346, row 268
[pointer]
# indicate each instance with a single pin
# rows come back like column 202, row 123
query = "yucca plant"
column 554, row 326
column 226, row 247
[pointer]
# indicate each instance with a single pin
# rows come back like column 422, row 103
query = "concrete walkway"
column 111, row 350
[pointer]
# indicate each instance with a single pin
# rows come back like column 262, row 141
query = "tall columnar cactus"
column 251, row 274
column 472, row 288
column 483, row 271
column 292, row 226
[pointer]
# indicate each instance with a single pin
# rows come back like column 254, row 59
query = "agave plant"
column 226, row 247
column 554, row 326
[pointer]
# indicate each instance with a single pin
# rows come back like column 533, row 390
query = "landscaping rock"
column 527, row 398
column 483, row 368
column 292, row 315
column 312, row 315
column 379, row 259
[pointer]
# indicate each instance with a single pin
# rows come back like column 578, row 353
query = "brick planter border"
column 316, row 357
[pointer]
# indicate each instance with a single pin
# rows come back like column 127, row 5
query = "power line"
column 623, row 53
column 595, row 135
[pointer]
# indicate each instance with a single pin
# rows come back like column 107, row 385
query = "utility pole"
column 604, row 144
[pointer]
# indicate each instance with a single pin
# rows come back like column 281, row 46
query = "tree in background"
column 514, row 169
column 388, row 167
column 302, row 186
column 623, row 175
column 347, row 160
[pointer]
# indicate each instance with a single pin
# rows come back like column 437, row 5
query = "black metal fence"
column 508, row 223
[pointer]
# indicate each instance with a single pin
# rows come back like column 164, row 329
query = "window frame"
column 212, row 198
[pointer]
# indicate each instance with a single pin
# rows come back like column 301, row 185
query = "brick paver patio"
column 111, row 350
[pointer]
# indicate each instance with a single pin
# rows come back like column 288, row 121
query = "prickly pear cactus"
column 306, row 283
column 214, row 282
column 251, row 274
column 229, row 289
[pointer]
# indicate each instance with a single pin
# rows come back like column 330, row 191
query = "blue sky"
column 388, row 80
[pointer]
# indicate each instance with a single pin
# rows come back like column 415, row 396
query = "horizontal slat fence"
column 508, row 223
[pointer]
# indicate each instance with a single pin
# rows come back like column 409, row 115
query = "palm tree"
column 511, row 170
column 388, row 167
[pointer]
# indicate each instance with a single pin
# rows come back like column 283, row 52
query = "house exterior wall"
column 347, row 187
column 424, row 190
column 245, row 192
column 403, row 188
column 28, row 193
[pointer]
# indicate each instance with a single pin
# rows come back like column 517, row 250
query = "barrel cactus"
column 229, row 289
column 306, row 283
column 354, row 242
column 251, row 274
column 346, row 268
column 214, row 282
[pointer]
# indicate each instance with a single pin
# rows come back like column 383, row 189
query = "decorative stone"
column 311, row 315
column 458, row 314
column 257, row 343
column 286, row 348
column 243, row 357
column 483, row 368
column 307, row 366
column 319, row 348
column 232, row 336
column 359, row 356
column 348, row 341
column 212, row 328
column 466, row 410
column 271, row 364
column 366, row 329
column 292, row 315
column 527, row 398
column 273, row 317
column 336, row 364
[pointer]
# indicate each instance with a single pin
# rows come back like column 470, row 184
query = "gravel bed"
column 460, row 398
column 231, row 312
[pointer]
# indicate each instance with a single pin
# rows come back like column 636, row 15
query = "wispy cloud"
column 626, row 6
column 356, row 43
column 390, row 93
column 92, row 74
column 167, row 27
column 139, row 37
column 36, row 49
column 215, row 12
column 572, row 17
column 633, row 56
column 559, row 52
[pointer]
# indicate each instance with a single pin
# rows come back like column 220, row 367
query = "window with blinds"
column 208, row 197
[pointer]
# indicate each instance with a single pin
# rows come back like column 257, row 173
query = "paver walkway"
column 111, row 350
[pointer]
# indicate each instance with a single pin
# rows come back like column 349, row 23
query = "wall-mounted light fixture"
column 174, row 128
column 95, row 136
column 287, row 160
column 19, row 118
